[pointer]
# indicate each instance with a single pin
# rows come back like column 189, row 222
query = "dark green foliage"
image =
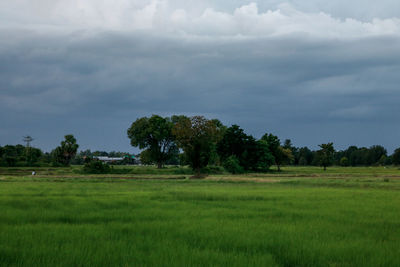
column 396, row 157
column 294, row 151
column 375, row 154
column 325, row 154
column 96, row 167
column 236, row 143
column 251, row 154
column 232, row 165
column 20, row 155
column 281, row 155
column 359, row 156
column 145, row 157
column 197, row 136
column 262, row 156
column 33, row 155
column 233, row 143
column 63, row 154
column 305, row 156
column 211, row 169
column 272, row 141
column 155, row 135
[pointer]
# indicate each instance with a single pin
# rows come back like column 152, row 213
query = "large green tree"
column 248, row 152
column 325, row 154
column 233, row 143
column 155, row 135
column 197, row 136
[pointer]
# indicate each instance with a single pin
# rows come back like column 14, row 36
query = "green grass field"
column 300, row 217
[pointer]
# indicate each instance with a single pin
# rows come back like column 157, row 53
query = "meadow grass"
column 300, row 217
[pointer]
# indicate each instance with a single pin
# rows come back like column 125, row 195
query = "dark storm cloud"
column 94, row 84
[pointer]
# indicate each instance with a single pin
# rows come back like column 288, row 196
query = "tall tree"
column 325, row 154
column 64, row 153
column 294, row 157
column 250, row 153
column 233, row 143
column 281, row 155
column 375, row 154
column 155, row 135
column 197, row 136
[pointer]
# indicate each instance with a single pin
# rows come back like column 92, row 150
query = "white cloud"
column 162, row 16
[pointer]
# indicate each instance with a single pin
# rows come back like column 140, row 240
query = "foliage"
column 20, row 155
column 396, row 157
column 294, row 152
column 33, row 155
column 251, row 154
column 145, row 157
column 304, row 156
column 63, row 154
column 155, row 135
column 325, row 154
column 375, row 154
column 213, row 169
column 197, row 136
column 232, row 165
column 233, row 143
column 96, row 166
column 281, row 155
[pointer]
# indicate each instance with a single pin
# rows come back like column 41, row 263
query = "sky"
column 312, row 71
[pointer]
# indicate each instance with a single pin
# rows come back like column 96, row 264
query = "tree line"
column 63, row 155
column 199, row 142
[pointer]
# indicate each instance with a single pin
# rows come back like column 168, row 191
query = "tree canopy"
column 325, row 154
column 197, row 136
column 281, row 154
column 155, row 135
column 64, row 153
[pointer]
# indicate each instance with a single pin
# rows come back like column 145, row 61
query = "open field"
column 300, row 217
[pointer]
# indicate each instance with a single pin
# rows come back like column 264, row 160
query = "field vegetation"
column 144, row 216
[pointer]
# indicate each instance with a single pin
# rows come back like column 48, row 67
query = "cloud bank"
column 91, row 68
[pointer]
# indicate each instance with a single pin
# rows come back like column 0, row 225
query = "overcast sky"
column 313, row 71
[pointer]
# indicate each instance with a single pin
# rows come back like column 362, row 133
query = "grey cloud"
column 302, row 88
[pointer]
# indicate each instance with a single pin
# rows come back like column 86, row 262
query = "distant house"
column 108, row 159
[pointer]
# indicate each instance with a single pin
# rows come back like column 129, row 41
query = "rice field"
column 300, row 217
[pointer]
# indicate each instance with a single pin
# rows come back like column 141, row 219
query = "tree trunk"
column 279, row 168
column 159, row 165
column 324, row 168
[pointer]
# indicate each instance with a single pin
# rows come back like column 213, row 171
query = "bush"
column 232, row 165
column 96, row 166
column 212, row 169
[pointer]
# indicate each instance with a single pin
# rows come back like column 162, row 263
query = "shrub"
column 212, row 169
column 231, row 164
column 96, row 166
